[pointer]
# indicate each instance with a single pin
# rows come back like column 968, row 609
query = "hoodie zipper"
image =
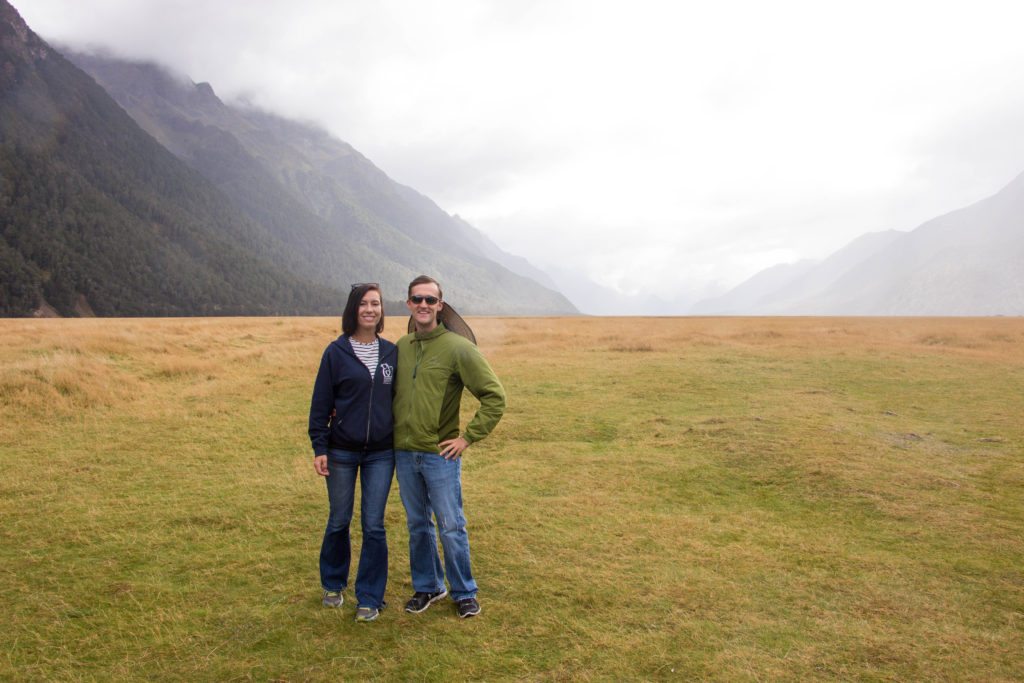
column 373, row 383
column 369, row 411
column 369, row 407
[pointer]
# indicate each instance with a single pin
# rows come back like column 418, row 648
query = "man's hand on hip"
column 452, row 448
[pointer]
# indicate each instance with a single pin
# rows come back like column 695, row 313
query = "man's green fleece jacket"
column 433, row 368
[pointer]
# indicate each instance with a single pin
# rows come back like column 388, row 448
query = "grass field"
column 720, row 499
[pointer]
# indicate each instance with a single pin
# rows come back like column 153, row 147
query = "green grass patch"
column 716, row 499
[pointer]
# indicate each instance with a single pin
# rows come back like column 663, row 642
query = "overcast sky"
column 667, row 148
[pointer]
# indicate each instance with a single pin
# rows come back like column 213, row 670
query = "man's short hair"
column 425, row 280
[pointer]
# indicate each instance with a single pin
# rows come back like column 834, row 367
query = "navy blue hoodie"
column 361, row 404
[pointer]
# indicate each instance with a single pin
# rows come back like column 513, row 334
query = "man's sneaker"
column 421, row 601
column 468, row 607
column 333, row 599
column 368, row 613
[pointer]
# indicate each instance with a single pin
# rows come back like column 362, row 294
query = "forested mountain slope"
column 96, row 216
column 327, row 201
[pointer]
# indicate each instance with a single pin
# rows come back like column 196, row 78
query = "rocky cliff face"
column 17, row 41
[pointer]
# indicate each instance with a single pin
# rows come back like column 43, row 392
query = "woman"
column 350, row 427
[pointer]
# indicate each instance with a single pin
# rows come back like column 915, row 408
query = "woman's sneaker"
column 468, row 607
column 421, row 601
column 333, row 599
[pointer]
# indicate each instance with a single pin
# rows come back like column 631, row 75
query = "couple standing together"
column 366, row 418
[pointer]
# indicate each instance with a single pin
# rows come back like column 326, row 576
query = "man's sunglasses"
column 417, row 299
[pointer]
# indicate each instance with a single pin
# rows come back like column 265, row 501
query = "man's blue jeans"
column 375, row 469
column 430, row 484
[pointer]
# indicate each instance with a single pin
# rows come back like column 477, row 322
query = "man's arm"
column 479, row 378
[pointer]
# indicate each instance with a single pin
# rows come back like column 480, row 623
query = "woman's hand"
column 320, row 465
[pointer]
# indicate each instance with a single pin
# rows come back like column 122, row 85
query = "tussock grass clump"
column 949, row 340
column 716, row 499
column 63, row 382
column 632, row 348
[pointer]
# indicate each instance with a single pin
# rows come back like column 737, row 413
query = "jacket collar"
column 344, row 342
column 433, row 334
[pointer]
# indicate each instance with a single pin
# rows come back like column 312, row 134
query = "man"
column 434, row 364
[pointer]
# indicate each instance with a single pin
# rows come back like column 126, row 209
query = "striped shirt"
column 369, row 354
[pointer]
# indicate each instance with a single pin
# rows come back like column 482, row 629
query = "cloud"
column 659, row 145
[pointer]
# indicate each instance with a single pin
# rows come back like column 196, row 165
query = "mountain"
column 343, row 216
column 595, row 298
column 97, row 218
column 746, row 296
column 967, row 262
column 781, row 287
column 517, row 264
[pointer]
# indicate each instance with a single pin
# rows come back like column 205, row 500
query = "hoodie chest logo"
column 388, row 372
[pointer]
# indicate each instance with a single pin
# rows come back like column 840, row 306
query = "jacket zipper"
column 419, row 357
column 415, row 368
column 369, row 411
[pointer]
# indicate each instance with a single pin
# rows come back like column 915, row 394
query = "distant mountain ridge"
column 342, row 215
column 966, row 262
column 780, row 287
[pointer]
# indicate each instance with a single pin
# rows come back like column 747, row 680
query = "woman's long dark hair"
column 350, row 318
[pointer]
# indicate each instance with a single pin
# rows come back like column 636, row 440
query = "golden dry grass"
column 717, row 498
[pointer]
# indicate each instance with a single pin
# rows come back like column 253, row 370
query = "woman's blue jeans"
column 430, row 484
column 375, row 469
